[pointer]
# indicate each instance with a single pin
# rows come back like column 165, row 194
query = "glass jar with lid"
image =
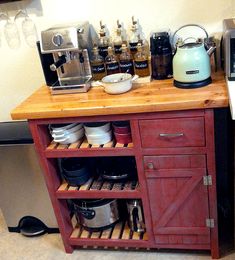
column 126, row 61
column 111, row 62
column 141, row 62
column 97, row 65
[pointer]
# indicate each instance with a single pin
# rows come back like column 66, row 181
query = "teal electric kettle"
column 191, row 62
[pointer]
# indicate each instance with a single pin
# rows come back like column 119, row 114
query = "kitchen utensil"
column 59, row 128
column 75, row 171
column 69, row 137
column 123, row 138
column 62, row 133
column 117, row 168
column 99, row 138
column 191, row 62
column 96, row 128
column 66, row 133
column 121, row 127
column 136, row 216
column 74, row 166
column 161, row 55
column 96, row 214
column 77, row 180
column 117, row 83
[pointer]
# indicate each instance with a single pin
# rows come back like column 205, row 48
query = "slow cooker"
column 96, row 214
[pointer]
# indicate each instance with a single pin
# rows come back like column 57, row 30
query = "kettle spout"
column 211, row 50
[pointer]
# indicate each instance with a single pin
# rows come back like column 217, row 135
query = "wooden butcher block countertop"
column 158, row 95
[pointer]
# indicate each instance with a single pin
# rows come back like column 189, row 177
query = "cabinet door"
column 178, row 201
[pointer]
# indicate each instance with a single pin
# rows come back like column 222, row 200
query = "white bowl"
column 71, row 137
column 96, row 128
column 118, row 83
column 62, row 133
column 61, row 127
column 100, row 138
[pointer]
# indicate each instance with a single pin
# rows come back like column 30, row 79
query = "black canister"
column 161, row 55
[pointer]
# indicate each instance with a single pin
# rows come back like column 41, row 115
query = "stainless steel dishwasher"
column 24, row 199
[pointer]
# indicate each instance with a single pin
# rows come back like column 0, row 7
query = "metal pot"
column 75, row 171
column 96, row 214
column 117, row 168
column 117, row 83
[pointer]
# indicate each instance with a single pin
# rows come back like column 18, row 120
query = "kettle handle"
column 190, row 24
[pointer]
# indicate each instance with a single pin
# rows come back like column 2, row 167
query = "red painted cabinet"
column 175, row 160
column 178, row 199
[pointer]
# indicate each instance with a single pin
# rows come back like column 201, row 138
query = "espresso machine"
column 64, row 54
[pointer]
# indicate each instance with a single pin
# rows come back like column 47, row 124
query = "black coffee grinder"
column 161, row 55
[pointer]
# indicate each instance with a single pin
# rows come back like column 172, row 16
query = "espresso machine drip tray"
column 74, row 85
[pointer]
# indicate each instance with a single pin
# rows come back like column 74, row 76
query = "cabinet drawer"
column 176, row 132
column 166, row 162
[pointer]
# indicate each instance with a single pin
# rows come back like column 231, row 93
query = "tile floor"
column 14, row 246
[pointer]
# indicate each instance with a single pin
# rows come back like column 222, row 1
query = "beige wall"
column 20, row 71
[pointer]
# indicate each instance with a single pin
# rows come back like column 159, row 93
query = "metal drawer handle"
column 171, row 135
column 150, row 165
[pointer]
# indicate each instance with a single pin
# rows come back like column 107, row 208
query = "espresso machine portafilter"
column 69, row 46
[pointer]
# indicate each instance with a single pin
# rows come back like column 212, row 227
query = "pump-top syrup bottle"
column 126, row 61
column 118, row 40
column 97, row 65
column 134, row 37
column 137, row 37
column 112, row 65
column 104, row 41
column 141, row 62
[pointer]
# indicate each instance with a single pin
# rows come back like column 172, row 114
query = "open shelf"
column 82, row 147
column 98, row 188
column 119, row 235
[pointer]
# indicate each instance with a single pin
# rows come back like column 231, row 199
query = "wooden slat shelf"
column 95, row 188
column 113, row 237
column 83, row 147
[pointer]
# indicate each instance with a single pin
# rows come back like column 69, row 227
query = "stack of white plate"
column 67, row 133
column 98, row 133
